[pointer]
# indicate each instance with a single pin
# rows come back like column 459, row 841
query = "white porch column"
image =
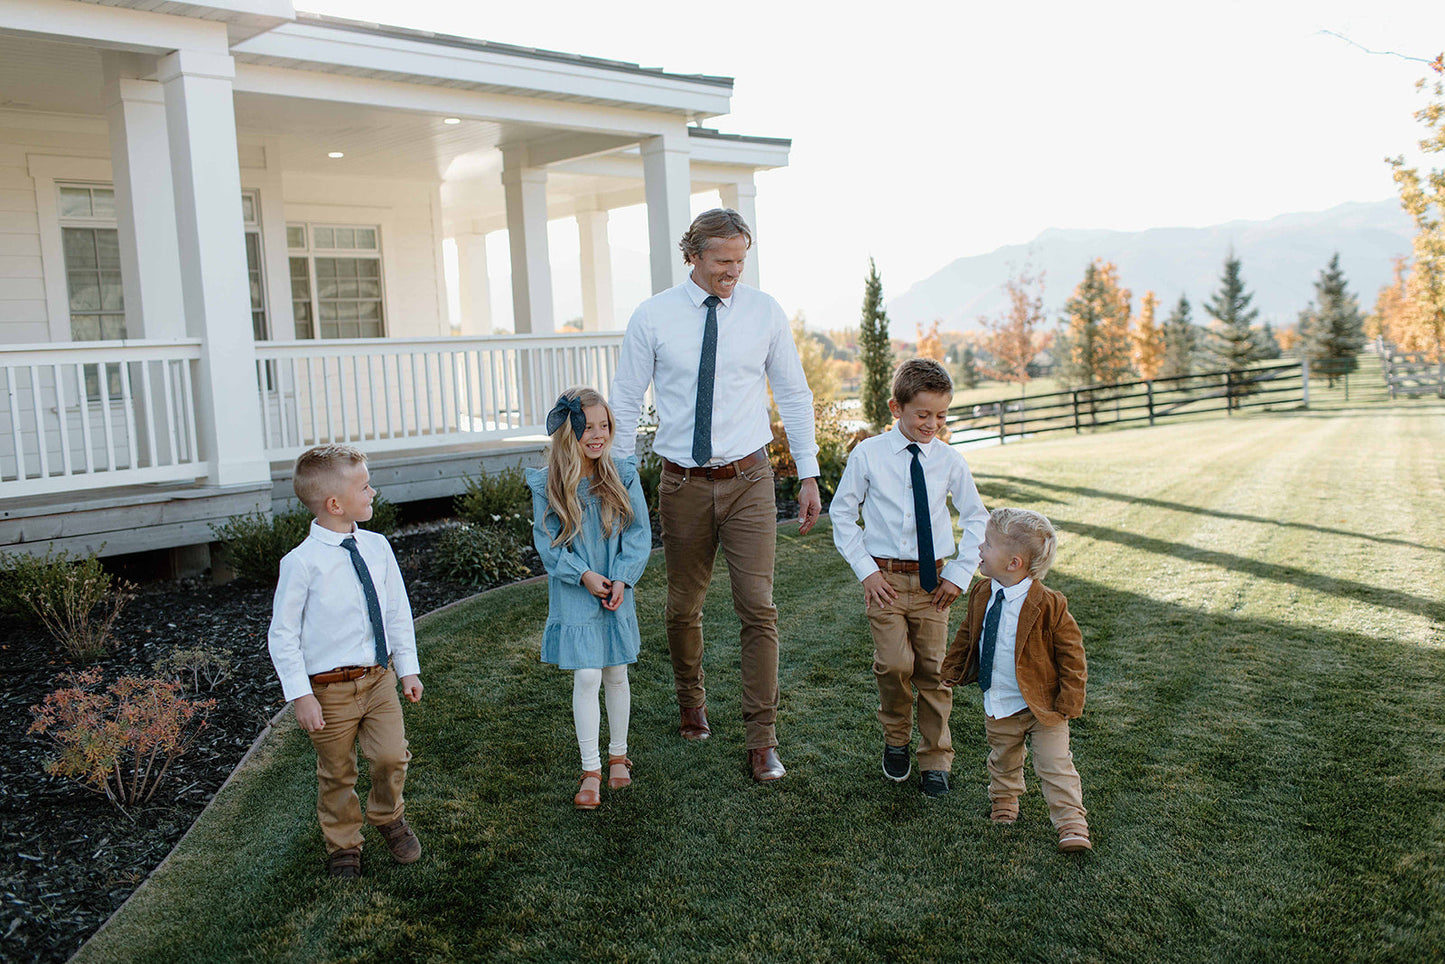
column 145, row 205
column 742, row 198
column 202, row 125
column 596, row 270
column 526, row 194
column 473, row 285
column 667, row 186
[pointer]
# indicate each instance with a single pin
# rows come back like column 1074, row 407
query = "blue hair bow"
column 565, row 409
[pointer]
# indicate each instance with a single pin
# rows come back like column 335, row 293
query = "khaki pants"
column 910, row 639
column 1053, row 762
column 740, row 515
column 365, row 711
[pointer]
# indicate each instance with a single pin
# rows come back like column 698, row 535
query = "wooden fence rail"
column 1412, row 373
column 1124, row 403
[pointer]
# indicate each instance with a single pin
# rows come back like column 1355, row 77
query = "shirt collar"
column 1015, row 592
column 696, row 295
column 330, row 537
column 898, row 442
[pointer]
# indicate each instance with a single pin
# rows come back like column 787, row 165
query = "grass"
column 1263, row 752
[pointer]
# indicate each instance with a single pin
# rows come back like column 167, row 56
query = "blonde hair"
column 316, row 470
column 1027, row 531
column 564, row 471
column 721, row 223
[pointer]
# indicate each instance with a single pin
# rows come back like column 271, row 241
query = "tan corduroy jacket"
column 1048, row 654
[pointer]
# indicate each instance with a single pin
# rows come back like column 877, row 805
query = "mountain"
column 1279, row 260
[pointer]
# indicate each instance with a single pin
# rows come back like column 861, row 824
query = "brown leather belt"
column 715, row 472
column 902, row 565
column 345, row 674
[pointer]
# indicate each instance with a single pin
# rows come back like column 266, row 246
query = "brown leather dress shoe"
column 765, row 763
column 694, row 723
column 401, row 841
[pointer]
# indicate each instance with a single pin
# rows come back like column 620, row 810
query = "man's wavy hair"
column 1027, row 531
column 718, row 223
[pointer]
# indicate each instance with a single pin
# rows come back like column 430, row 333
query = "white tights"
column 588, row 716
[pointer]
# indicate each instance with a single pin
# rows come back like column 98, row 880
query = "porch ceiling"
column 46, row 76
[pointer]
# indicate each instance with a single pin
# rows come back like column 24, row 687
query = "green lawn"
column 1263, row 752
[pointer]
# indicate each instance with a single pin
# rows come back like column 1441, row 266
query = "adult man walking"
column 710, row 347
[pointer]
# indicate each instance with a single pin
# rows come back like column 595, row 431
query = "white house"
column 221, row 241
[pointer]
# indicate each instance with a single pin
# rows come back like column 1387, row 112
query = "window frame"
column 90, row 222
column 311, row 253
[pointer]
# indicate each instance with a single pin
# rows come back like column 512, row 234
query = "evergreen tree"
column 1097, row 333
column 965, row 373
column 1265, row 343
column 1232, row 343
column 1148, row 339
column 875, row 350
column 1180, row 342
column 1331, row 328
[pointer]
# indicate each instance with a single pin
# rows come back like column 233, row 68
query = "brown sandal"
column 344, row 863
column 615, row 782
column 588, row 799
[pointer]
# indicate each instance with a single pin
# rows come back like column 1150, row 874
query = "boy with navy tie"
column 900, row 483
column 339, row 617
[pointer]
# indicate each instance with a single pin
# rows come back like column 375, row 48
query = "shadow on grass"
column 1258, row 790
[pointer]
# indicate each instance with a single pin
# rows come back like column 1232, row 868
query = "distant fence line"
column 1123, row 403
column 1411, row 372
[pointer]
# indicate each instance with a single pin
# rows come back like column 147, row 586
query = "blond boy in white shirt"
column 900, row 482
column 339, row 617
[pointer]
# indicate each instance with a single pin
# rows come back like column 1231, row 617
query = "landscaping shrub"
column 834, row 444
column 493, row 496
column 75, row 599
column 384, row 516
column 253, row 544
column 119, row 742
column 198, row 668
column 481, row 555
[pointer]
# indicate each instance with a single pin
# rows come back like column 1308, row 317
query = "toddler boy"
column 1027, row 655
column 901, row 481
column 340, row 613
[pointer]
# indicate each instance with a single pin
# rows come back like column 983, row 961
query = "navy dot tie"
column 373, row 604
column 927, row 563
column 989, row 642
column 706, row 375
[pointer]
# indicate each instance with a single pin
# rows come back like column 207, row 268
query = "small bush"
column 253, row 544
column 501, row 494
column 119, row 742
column 197, row 669
column 75, row 599
column 481, row 555
column 834, row 444
column 384, row 516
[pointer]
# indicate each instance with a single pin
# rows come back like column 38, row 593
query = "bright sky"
column 927, row 131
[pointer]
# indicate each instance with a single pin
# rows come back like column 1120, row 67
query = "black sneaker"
column 896, row 762
column 934, row 783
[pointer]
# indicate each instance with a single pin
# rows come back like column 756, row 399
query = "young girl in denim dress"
column 591, row 528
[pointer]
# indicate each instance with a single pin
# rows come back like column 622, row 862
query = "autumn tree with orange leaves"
column 1097, row 327
column 930, row 343
column 1013, row 338
column 1420, row 324
column 1148, row 340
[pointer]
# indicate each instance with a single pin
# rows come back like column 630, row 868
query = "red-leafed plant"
column 122, row 740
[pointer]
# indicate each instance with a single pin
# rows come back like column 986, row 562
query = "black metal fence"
column 1128, row 403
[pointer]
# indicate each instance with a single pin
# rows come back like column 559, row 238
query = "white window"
column 92, row 262
column 336, row 280
column 251, row 217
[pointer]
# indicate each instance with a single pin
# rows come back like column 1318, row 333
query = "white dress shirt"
column 319, row 619
column 879, row 480
column 755, row 349
column 1002, row 698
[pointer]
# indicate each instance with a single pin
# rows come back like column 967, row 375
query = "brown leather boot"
column 765, row 763
column 694, row 723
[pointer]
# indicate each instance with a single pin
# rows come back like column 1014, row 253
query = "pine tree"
column 965, row 373
column 1266, row 345
column 1232, row 340
column 875, row 350
column 1180, row 342
column 1332, row 328
column 1097, row 333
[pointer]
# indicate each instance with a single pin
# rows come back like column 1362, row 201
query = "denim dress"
column 581, row 633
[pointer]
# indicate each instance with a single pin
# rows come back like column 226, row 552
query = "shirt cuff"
column 295, row 687
column 957, row 573
column 405, row 664
column 808, row 467
column 864, row 567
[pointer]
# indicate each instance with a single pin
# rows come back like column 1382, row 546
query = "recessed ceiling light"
column 451, row 120
column 335, row 154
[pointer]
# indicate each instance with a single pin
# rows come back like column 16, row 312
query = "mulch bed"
column 68, row 857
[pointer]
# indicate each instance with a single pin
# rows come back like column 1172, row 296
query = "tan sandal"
column 615, row 782
column 588, row 799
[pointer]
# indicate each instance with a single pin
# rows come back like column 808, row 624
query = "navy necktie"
column 927, row 563
column 990, row 641
column 373, row 604
column 706, row 375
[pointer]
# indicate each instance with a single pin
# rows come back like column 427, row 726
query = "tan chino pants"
column 910, row 639
column 1053, row 762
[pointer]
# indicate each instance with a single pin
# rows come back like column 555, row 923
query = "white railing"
column 82, row 414
column 397, row 393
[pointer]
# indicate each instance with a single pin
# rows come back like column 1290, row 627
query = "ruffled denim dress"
column 581, row 633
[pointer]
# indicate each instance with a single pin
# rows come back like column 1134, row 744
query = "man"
column 710, row 347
